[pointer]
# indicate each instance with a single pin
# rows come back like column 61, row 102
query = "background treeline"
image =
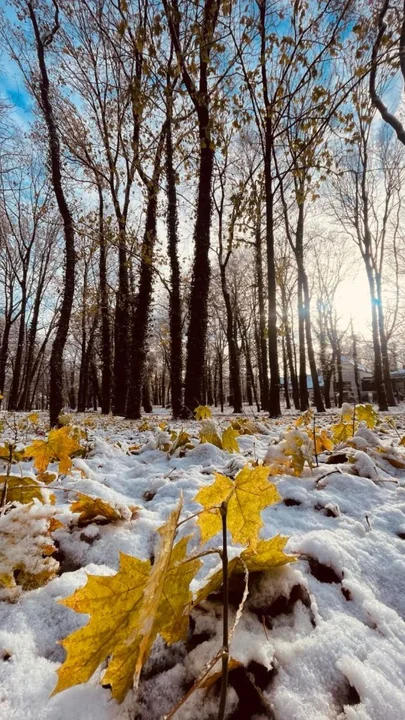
column 195, row 182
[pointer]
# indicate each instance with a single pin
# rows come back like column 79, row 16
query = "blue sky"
column 12, row 87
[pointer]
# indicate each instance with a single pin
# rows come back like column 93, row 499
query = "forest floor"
column 322, row 638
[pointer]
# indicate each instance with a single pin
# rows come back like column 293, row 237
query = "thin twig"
column 315, row 450
column 203, row 674
column 5, row 486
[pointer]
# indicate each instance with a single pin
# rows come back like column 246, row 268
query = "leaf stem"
column 225, row 634
column 5, row 486
column 315, row 450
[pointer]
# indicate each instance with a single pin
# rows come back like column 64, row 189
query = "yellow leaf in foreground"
column 267, row 555
column 127, row 611
column 26, row 547
column 210, row 680
column 59, row 445
column 229, row 443
column 366, row 413
column 93, row 507
column 305, row 419
column 21, row 489
column 247, row 495
column 208, row 434
column 341, row 431
column 202, row 412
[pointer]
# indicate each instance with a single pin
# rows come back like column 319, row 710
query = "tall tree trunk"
column 234, row 369
column 384, row 344
column 285, row 372
column 197, row 329
column 289, row 349
column 140, row 318
column 304, row 397
column 176, row 352
column 378, row 374
column 339, row 373
column 104, row 311
column 56, row 360
column 83, row 368
column 262, row 347
column 15, row 383
column 356, row 366
column 121, row 326
column 311, row 355
column 32, row 334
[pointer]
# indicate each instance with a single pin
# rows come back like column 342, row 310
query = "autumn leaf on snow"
column 202, row 412
column 127, row 611
column 209, row 434
column 60, row 445
column 366, row 413
column 322, row 440
column 21, row 489
column 341, row 431
column 229, row 443
column 267, row 555
column 26, row 548
column 91, row 508
column 305, row 418
column 247, row 495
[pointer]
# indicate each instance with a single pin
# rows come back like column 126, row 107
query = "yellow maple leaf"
column 211, row 679
column 59, row 445
column 341, row 431
column 229, row 436
column 21, row 489
column 92, row 507
column 246, row 496
column 305, row 419
column 26, row 549
column 209, row 434
column 144, row 426
column 268, row 554
column 8, row 450
column 322, row 440
column 33, row 418
column 178, row 441
column 202, row 412
column 127, row 611
column 366, row 413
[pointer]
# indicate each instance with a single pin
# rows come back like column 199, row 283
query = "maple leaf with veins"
column 127, row 612
column 246, row 496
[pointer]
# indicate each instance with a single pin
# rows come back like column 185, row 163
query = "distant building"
column 349, row 380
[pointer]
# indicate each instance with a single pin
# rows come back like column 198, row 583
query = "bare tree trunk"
column 311, row 355
column 56, row 361
column 285, row 372
column 384, row 345
column 140, row 318
column 262, row 346
column 106, row 376
column 176, row 352
column 15, row 383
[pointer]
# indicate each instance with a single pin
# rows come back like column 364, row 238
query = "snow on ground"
column 323, row 638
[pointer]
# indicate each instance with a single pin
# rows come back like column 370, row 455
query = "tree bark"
column 176, row 351
column 56, row 361
column 105, row 313
column 140, row 318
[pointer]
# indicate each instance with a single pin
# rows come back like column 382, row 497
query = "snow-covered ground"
column 322, row 638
